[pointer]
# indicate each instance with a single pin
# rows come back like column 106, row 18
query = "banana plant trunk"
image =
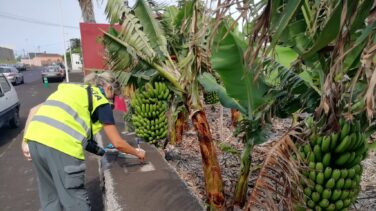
column 212, row 172
column 235, row 116
column 179, row 127
column 240, row 193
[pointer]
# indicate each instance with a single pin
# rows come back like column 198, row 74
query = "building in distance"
column 7, row 56
column 42, row 59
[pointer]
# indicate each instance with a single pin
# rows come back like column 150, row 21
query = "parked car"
column 53, row 72
column 60, row 65
column 9, row 104
column 20, row 67
column 12, row 74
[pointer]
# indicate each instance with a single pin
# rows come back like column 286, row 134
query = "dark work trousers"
column 61, row 179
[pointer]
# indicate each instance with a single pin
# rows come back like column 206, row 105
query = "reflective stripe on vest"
column 61, row 126
column 71, row 112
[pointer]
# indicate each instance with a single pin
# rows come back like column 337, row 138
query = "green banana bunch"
column 211, row 98
column 150, row 105
column 334, row 167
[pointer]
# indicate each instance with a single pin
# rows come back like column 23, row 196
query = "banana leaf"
column 362, row 13
column 290, row 92
column 275, row 8
column 122, row 77
column 185, row 13
column 151, row 27
column 287, row 14
column 170, row 13
column 210, row 85
column 131, row 34
column 118, row 56
column 352, row 58
column 295, row 36
column 285, row 56
column 167, row 22
column 329, row 32
column 227, row 60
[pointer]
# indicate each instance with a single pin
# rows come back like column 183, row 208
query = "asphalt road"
column 18, row 186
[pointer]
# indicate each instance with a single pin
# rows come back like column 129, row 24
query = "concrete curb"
column 107, row 182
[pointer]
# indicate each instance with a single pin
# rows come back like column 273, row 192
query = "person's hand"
column 25, row 150
column 140, row 154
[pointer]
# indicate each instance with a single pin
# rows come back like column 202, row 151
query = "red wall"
column 93, row 55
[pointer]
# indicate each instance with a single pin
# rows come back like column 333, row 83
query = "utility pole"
column 64, row 48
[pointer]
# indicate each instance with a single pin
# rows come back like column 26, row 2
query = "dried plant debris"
column 278, row 179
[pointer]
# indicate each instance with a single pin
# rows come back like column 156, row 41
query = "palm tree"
column 87, row 10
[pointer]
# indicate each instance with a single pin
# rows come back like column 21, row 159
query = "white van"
column 9, row 104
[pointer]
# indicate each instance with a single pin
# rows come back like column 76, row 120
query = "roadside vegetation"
column 263, row 60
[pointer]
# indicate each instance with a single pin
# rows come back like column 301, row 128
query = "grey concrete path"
column 150, row 186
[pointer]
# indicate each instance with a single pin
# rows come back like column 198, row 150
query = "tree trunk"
column 212, row 171
column 87, row 10
column 240, row 193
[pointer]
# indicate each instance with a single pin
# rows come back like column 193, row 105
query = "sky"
column 35, row 25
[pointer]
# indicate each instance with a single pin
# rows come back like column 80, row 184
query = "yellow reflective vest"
column 63, row 120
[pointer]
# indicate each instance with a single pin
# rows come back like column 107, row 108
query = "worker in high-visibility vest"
column 56, row 133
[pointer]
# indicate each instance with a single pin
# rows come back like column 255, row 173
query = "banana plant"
column 242, row 61
column 142, row 41
column 334, row 41
column 241, row 92
column 253, row 96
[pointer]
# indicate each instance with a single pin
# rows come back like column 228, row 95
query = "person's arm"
column 24, row 146
column 119, row 143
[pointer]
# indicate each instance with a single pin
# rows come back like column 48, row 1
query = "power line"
column 30, row 20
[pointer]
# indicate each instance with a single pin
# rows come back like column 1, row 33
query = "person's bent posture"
column 57, row 132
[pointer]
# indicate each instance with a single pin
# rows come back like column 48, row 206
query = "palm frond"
column 279, row 178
